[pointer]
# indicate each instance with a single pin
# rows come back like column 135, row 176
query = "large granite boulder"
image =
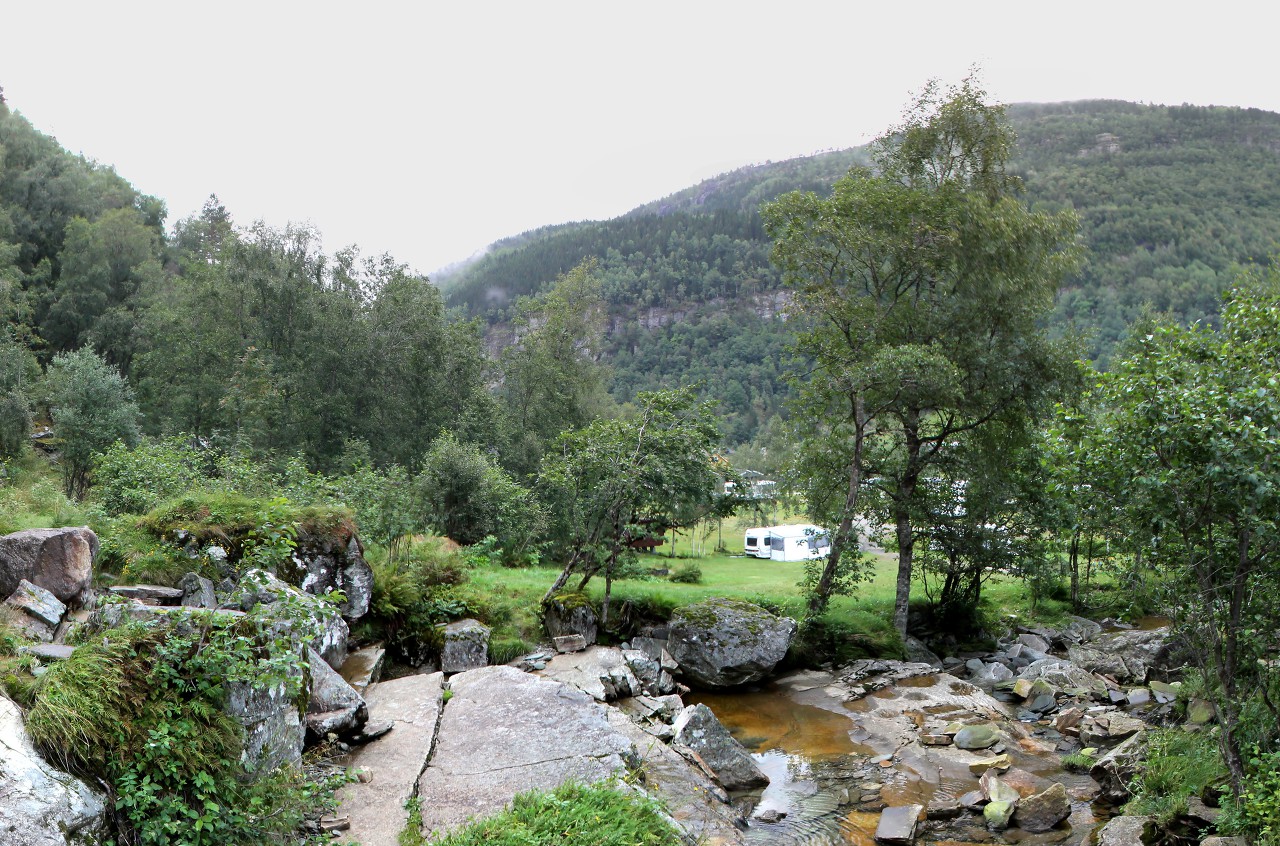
column 504, row 732
column 698, row 729
column 305, row 616
column 40, row 806
column 333, row 560
column 1137, row 650
column 58, row 560
column 466, row 646
column 334, row 706
column 1114, row 770
column 570, row 614
column 722, row 643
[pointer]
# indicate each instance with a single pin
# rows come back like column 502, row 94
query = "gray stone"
column 37, row 603
column 1065, row 675
column 319, row 622
column 600, row 671
column 1043, row 703
column 150, row 594
column 393, row 763
column 1035, row 642
column 919, row 653
column 466, row 646
column 995, row 789
column 333, row 561
column 1114, row 770
column 1126, row 831
column 1042, row 811
column 197, row 592
column 1139, row 696
column 49, row 651
column 40, row 806
column 698, row 729
column 1200, row 711
column 1128, row 655
column 570, row 643
column 722, row 643
column 504, row 732
column 333, row 707
column 1080, row 629
column 973, row 800
column 1224, row 841
column 654, row 680
column 273, row 728
column 977, row 737
column 1164, row 692
column 1112, row 727
column 58, row 560
column 570, row 614
column 651, row 646
column 898, row 825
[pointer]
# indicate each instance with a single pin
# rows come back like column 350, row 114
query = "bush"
column 687, row 574
column 1257, row 814
column 136, row 480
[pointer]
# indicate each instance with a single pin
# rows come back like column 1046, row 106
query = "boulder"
column 998, row 812
column 1110, row 727
column 570, row 614
column 600, row 671
column 1064, row 675
column 466, row 646
column 273, row 728
column 304, row 615
column 333, row 707
column 919, row 653
column 1137, row 650
column 150, row 594
column 898, row 825
column 58, row 560
column 37, row 603
column 1200, row 712
column 1042, row 811
column 197, row 592
column 570, row 643
column 698, row 729
column 996, row 789
column 722, row 643
column 1078, row 630
column 1126, row 831
column 363, row 667
column 1034, row 642
column 40, row 806
column 999, row 763
column 333, row 561
column 981, row 736
column 504, row 732
column 654, row 679
column 1114, row 770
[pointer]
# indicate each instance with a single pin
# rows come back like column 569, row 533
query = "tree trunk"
column 906, row 549
column 1073, row 562
column 821, row 596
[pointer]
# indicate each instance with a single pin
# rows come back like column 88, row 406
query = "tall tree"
column 92, row 407
column 924, row 283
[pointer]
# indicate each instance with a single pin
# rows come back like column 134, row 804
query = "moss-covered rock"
column 723, row 643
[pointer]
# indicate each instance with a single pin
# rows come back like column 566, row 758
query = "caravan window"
column 751, row 541
column 777, row 543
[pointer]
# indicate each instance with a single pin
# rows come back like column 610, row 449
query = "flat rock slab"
column 364, row 667
column 898, row 825
column 49, row 651
column 600, row 671
column 504, row 732
column 394, row 761
column 151, row 594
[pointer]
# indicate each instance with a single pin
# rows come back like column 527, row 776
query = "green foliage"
column 570, row 815
column 1256, row 813
column 1078, row 762
column 687, row 574
column 92, row 407
column 141, row 706
column 412, row 594
column 507, row 649
column 1180, row 764
column 462, row 493
column 138, row 478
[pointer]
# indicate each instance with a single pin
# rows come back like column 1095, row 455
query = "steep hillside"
column 1170, row 200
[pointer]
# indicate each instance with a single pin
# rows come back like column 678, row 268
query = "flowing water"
column 833, row 764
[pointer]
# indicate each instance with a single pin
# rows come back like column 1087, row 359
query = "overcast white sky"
column 429, row 130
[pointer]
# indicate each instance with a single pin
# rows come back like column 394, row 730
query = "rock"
column 150, row 594
column 333, row 561
column 769, row 815
column 466, row 646
column 49, row 651
column 504, row 732
column 996, row 789
column 1043, row 703
column 37, row 603
column 1067, row 721
column 1139, row 696
column 600, row 671
column 40, row 806
column 698, row 729
column 999, row 763
column 973, row 800
column 654, row 647
column 197, row 591
column 898, row 825
column 304, row 615
column 938, row 739
column 1114, row 770
column 1035, row 642
column 375, row 805
column 1126, row 831
column 363, row 667
column 1224, row 841
column 570, row 643
column 1064, row 675
column 58, row 560
column 1164, row 692
column 1200, row 712
column 1117, row 725
column 1042, row 811
column 273, row 728
column 1200, row 813
column 1022, row 688
column 334, row 707
column 997, row 813
column 941, row 808
column 919, row 653
column 654, row 680
column 1135, row 651
column 977, row 737
column 1079, row 630
column 721, row 643
column 570, row 614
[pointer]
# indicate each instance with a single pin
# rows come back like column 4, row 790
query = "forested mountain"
column 1170, row 199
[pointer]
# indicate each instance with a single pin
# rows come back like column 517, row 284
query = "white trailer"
column 756, row 542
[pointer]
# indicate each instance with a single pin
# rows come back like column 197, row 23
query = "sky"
column 429, row 130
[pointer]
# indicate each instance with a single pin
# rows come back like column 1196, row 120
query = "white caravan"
column 787, row 543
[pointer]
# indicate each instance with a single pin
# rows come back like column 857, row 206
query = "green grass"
column 1180, row 764
column 570, row 815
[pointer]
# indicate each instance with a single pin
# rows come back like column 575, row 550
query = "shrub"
column 1257, row 813
column 136, row 480
column 687, row 574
